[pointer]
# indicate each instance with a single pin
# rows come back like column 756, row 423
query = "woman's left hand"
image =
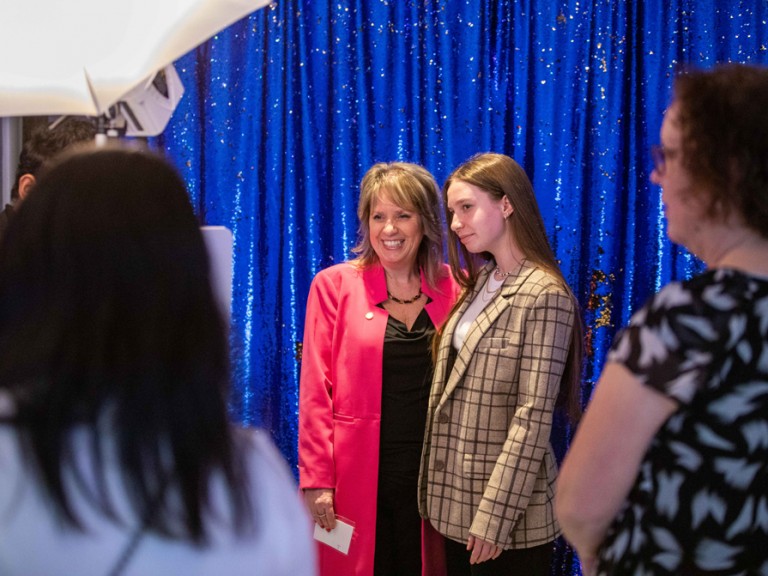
column 482, row 550
column 320, row 504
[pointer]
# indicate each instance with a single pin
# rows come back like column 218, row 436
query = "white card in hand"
column 338, row 538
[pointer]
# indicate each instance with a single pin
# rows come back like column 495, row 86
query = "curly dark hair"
column 45, row 143
column 724, row 124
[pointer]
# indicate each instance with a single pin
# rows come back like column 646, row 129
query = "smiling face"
column 477, row 218
column 683, row 207
column 396, row 233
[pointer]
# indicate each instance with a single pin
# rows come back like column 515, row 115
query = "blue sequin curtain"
column 284, row 112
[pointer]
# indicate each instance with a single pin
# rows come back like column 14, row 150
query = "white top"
column 32, row 543
column 486, row 294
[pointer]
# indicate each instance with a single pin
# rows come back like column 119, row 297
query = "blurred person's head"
column 108, row 323
column 413, row 189
column 43, row 145
column 712, row 163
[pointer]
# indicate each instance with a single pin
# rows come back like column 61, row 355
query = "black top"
column 407, row 377
column 700, row 500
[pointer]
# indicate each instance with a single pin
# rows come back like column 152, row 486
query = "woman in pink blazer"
column 365, row 378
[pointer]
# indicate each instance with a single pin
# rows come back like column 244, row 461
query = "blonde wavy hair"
column 413, row 188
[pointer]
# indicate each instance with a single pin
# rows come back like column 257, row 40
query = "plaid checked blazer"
column 487, row 467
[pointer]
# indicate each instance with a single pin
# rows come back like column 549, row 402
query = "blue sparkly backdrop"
column 284, row 112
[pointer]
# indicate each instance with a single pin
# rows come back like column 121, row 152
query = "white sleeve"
column 283, row 521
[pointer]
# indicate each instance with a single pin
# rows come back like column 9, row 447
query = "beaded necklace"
column 407, row 301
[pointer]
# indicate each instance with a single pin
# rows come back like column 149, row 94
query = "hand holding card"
column 339, row 538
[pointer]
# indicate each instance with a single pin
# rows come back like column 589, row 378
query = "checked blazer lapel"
column 479, row 327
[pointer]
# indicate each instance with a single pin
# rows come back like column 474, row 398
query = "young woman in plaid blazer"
column 509, row 353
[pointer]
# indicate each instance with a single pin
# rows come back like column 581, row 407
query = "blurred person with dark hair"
column 115, row 449
column 668, row 472
column 43, row 145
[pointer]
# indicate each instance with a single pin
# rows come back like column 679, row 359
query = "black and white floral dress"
column 700, row 502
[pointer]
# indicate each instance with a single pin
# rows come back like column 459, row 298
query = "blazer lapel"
column 479, row 327
column 375, row 283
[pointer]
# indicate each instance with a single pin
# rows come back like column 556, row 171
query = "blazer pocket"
column 476, row 471
column 493, row 343
column 478, row 466
column 500, row 363
column 338, row 417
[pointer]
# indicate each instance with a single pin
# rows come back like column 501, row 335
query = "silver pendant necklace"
column 515, row 270
column 488, row 293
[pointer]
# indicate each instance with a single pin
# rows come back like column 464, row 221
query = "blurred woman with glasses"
column 668, row 472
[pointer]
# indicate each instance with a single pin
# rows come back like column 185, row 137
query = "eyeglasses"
column 660, row 155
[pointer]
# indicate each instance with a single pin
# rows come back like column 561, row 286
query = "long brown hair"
column 499, row 175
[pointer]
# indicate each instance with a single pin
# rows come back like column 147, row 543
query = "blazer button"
column 443, row 418
column 439, row 465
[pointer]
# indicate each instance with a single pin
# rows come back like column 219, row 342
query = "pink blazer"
column 340, row 402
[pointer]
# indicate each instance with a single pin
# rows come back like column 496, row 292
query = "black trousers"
column 398, row 527
column 534, row 561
